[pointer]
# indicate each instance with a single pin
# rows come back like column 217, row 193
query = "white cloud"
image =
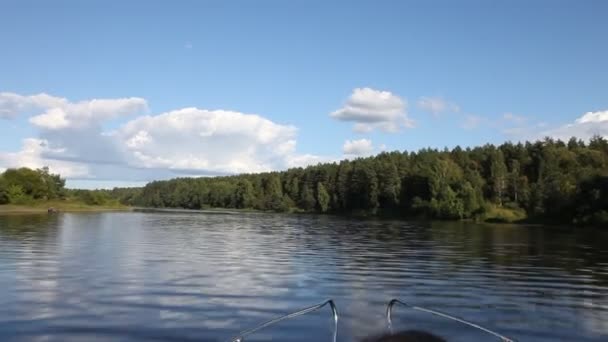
column 73, row 130
column 86, row 113
column 585, row 127
column 593, row 117
column 437, row 105
column 373, row 109
column 59, row 113
column 188, row 141
column 9, row 105
column 12, row 104
column 204, row 140
column 31, row 155
column 358, row 148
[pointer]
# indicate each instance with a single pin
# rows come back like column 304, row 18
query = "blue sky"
column 502, row 70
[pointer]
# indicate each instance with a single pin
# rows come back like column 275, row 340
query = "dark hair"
column 407, row 336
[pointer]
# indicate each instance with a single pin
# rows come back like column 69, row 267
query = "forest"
column 547, row 181
column 542, row 181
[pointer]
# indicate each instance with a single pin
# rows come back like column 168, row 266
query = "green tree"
column 514, row 180
column 472, row 200
column 592, row 202
column 498, row 172
column 244, row 195
column 4, row 194
column 364, row 188
column 389, row 185
column 54, row 184
column 322, row 197
column 343, row 184
column 30, row 182
column 94, row 197
column 273, row 193
column 16, row 195
column 307, row 198
column 292, row 188
column 447, row 205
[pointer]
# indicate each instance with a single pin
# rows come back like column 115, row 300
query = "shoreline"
column 525, row 222
column 42, row 208
column 75, row 207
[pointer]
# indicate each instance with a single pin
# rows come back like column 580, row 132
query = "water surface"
column 206, row 276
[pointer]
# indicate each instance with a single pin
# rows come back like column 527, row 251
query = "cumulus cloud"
column 32, row 156
column 358, row 148
column 59, row 113
column 437, row 105
column 86, row 113
column 203, row 140
column 12, row 104
column 71, row 131
column 373, row 109
column 585, row 127
column 190, row 141
column 589, row 117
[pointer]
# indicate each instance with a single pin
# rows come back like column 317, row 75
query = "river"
column 206, row 276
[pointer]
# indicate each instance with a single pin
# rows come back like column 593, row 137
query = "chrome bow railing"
column 241, row 336
column 392, row 303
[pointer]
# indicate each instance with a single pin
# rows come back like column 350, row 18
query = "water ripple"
column 201, row 276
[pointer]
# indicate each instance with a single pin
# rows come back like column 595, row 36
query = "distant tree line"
column 549, row 180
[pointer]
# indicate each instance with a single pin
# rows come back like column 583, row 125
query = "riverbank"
column 40, row 207
column 496, row 214
column 493, row 214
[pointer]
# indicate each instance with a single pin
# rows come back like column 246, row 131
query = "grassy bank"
column 70, row 205
column 496, row 214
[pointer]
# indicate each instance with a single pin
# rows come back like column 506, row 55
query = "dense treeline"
column 546, row 180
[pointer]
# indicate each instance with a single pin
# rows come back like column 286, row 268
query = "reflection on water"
column 182, row 276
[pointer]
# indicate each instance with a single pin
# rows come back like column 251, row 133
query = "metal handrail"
column 241, row 336
column 392, row 303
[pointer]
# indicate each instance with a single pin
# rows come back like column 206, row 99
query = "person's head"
column 407, row 336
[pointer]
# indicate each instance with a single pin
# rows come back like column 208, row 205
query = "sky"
column 118, row 93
